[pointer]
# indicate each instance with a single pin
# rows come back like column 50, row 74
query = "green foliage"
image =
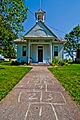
column 15, row 63
column 1, row 50
column 5, row 63
column 69, row 76
column 9, row 51
column 9, row 78
column 12, row 15
column 5, row 30
column 12, row 63
column 58, row 62
column 72, row 41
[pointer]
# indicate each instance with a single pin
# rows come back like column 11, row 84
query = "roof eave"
column 25, row 40
column 19, row 41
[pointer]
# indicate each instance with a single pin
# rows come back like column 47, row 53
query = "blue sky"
column 61, row 15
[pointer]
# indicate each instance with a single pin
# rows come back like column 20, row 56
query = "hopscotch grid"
column 32, row 97
column 54, row 112
column 41, row 97
column 46, row 88
column 59, row 93
column 45, row 83
column 63, row 98
column 48, row 103
column 27, row 112
column 28, row 82
column 19, row 97
column 40, row 112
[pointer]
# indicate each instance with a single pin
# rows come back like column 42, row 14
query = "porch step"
column 39, row 64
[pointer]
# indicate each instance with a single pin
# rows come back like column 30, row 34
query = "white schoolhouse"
column 40, row 44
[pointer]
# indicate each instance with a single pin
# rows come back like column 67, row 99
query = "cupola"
column 40, row 15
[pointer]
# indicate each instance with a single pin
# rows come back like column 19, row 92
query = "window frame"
column 24, row 50
column 56, row 54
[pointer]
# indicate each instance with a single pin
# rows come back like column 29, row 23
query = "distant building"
column 40, row 44
column 78, row 55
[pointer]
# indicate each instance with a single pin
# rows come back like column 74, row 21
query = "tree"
column 12, row 15
column 6, row 36
column 72, row 41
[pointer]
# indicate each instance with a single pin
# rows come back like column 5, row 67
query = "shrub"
column 15, row 63
column 61, row 63
column 58, row 62
column 55, row 61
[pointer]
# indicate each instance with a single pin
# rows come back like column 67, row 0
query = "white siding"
column 46, row 53
column 60, row 50
column 34, row 53
column 21, row 58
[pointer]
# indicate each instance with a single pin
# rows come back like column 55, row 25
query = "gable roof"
column 40, row 30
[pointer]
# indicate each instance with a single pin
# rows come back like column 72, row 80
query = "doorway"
column 40, row 53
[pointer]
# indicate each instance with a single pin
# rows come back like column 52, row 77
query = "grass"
column 9, row 77
column 69, row 76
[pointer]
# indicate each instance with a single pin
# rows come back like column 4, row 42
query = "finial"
column 40, row 14
column 40, row 4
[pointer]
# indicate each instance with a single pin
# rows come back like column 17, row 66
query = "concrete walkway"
column 39, row 96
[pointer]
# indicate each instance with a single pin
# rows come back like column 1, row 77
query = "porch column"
column 50, row 52
column 28, row 52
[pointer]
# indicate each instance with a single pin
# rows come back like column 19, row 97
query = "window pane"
column 24, row 51
column 55, row 48
column 24, row 48
column 55, row 51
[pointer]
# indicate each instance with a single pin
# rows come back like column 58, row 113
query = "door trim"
column 42, row 53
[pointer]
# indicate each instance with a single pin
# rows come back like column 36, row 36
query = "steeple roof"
column 40, row 30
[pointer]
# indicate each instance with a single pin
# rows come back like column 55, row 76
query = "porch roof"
column 26, row 39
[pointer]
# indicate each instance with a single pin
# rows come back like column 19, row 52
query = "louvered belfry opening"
column 40, row 15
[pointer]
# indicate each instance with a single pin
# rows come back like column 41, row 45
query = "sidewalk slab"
column 39, row 96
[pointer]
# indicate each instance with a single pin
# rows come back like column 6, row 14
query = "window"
column 40, row 17
column 55, row 51
column 24, row 51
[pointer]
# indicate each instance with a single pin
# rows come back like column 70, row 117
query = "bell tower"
column 40, row 15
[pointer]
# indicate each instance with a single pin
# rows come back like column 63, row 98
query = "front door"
column 40, row 53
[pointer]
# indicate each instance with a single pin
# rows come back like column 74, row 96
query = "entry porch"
column 40, row 53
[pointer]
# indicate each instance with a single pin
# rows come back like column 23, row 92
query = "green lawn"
column 69, row 76
column 9, row 77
